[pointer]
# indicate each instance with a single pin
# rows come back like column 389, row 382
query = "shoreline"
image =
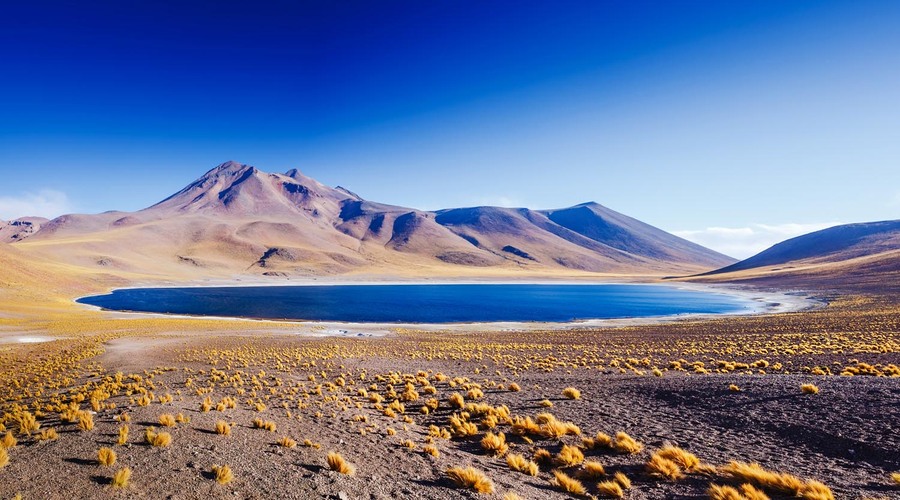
column 763, row 302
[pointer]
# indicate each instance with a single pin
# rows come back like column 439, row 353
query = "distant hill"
column 238, row 220
column 862, row 255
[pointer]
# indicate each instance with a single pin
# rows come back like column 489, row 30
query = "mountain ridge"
column 237, row 218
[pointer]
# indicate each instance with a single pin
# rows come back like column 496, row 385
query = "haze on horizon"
column 733, row 124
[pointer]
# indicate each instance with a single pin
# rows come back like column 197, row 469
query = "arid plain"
column 98, row 404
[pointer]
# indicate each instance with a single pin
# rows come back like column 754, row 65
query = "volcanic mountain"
column 238, row 220
column 862, row 255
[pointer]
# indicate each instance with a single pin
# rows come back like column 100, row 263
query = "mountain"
column 20, row 229
column 239, row 220
column 861, row 255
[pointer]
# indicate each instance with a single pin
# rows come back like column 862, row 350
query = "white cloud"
column 45, row 203
column 743, row 242
column 500, row 201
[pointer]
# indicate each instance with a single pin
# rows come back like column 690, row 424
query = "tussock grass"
column 809, row 389
column 286, row 442
column 4, row 457
column 778, row 482
column 123, row 436
column 48, row 435
column 471, row 478
column 106, row 457
column 569, row 456
column 430, row 449
column 896, row 477
column 160, row 440
column 223, row 474
column 571, row 393
column 685, row 459
column 223, row 428
column 521, row 464
column 610, row 489
column 9, row 440
column 626, row 444
column 495, row 444
column 121, row 479
column 167, row 420
column 622, row 480
column 733, row 388
column 514, row 387
column 85, row 421
column 592, row 470
column 568, row 484
column 338, row 463
column 663, row 467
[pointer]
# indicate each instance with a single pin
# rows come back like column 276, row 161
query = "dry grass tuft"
column 592, row 470
column 8, row 441
column 287, row 442
column 571, row 393
column 717, row 492
column 432, row 450
column 121, row 479
column 338, row 463
column 471, row 478
column 622, row 480
column 223, row 428
column 106, row 457
column 626, row 444
column 48, row 435
column 569, row 456
column 514, row 387
column 663, row 467
column 568, row 484
column 521, row 464
column 4, row 457
column 685, row 459
column 167, row 420
column 777, row 481
column 610, row 489
column 732, row 388
column 494, row 444
column 809, row 389
column 896, row 477
column 123, row 436
column 223, row 474
column 160, row 440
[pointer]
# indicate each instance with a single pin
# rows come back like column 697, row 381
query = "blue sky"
column 735, row 124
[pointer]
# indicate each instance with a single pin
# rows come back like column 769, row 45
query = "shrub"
column 106, row 457
column 337, row 463
column 471, row 478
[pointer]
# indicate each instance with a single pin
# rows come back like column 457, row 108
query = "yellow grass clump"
column 123, row 436
column 121, row 479
column 9, row 440
column 4, row 457
column 732, row 388
column 514, row 387
column 159, row 440
column 569, row 456
column 167, row 420
column 809, row 389
column 287, row 442
column 779, row 482
column 222, row 474
column 223, row 428
column 521, row 464
column 571, row 393
column 626, row 444
column 896, row 477
column 622, row 480
column 684, row 459
column 471, row 478
column 85, row 421
column 592, row 469
column 568, row 484
column 495, row 444
column 338, row 463
column 48, row 435
column 610, row 489
column 432, row 450
column 663, row 467
column 106, row 457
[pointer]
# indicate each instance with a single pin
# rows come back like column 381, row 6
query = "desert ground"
column 783, row 405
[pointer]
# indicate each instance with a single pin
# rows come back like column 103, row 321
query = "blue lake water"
column 446, row 303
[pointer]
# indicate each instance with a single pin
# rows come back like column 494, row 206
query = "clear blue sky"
column 730, row 122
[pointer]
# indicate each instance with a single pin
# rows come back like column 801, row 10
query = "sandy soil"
column 845, row 436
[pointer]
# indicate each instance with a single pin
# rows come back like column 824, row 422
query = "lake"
column 433, row 303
